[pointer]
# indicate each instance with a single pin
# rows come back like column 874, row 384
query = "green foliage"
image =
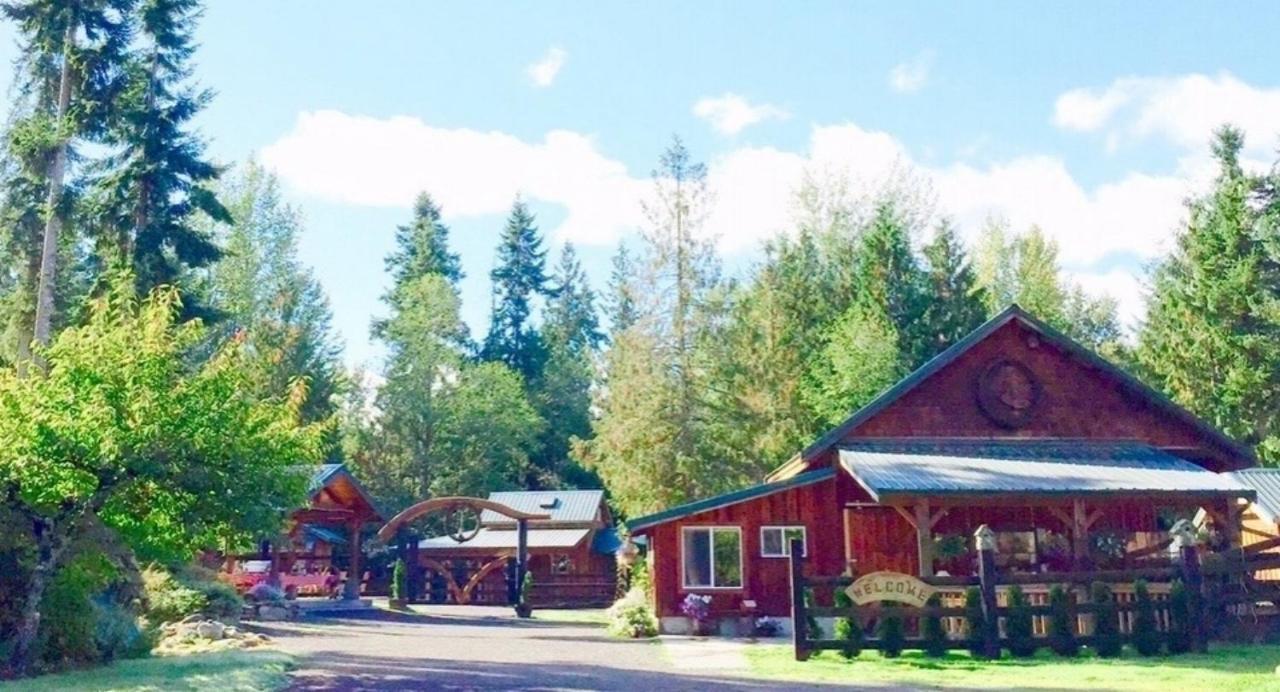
column 848, row 629
column 973, row 620
column 399, row 586
column 1062, row 623
column 1146, row 638
column 810, row 622
column 1211, row 340
column 932, row 632
column 1017, row 624
column 518, row 277
column 526, row 587
column 631, row 617
column 956, row 304
column 1179, row 641
column 116, row 633
column 69, row 620
column 860, row 359
column 890, row 634
column 173, row 596
column 1106, row 624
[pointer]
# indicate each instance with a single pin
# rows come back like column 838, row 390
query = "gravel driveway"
column 477, row 648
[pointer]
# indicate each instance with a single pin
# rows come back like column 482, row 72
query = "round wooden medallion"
column 463, row 522
column 1008, row 393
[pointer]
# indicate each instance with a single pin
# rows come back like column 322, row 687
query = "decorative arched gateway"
column 462, row 520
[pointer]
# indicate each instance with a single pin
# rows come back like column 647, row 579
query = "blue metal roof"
column 888, row 468
column 564, row 506
column 1013, row 312
column 606, row 541
column 1266, row 482
column 641, row 523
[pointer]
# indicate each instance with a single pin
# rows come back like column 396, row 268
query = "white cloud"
column 729, row 113
column 911, row 76
column 1124, row 286
column 1183, row 110
column 543, row 72
column 386, row 161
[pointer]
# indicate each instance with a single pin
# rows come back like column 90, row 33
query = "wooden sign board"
column 890, row 586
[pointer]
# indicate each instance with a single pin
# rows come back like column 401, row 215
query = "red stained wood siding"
column 765, row 580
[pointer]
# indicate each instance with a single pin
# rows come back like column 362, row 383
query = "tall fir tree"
column 519, row 278
column 153, row 185
column 890, row 280
column 269, row 296
column 621, row 301
column 1211, row 338
column 956, row 304
column 422, row 249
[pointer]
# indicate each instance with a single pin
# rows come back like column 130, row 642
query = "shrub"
column 1179, row 641
column 973, row 620
column 631, row 617
column 398, row 581
column 167, row 598
column 1017, row 624
column 810, row 622
column 1146, row 638
column 935, row 638
column 1062, row 625
column 766, row 626
column 221, row 600
column 67, row 622
column 1106, row 626
column 262, row 592
column 889, row 632
column 640, row 577
column 847, row 629
column 116, row 633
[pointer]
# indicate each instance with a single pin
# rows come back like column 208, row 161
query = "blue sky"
column 1088, row 119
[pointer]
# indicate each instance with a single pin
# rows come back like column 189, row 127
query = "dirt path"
column 485, row 649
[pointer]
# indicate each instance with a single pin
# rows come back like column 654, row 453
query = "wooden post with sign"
column 799, row 619
column 1193, row 579
column 985, row 540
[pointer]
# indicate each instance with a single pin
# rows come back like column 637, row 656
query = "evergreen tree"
column 519, row 278
column 956, row 304
column 890, row 280
column 861, row 358
column 1212, row 334
column 267, row 294
column 149, row 190
column 422, row 249
column 621, row 303
column 651, row 444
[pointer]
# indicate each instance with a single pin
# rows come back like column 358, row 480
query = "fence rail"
column 1232, row 567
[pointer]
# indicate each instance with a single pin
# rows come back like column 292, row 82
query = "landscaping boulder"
column 210, row 629
column 273, row 612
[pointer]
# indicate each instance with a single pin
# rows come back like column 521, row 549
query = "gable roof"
column 1266, row 482
column 898, row 469
column 564, row 506
column 647, row 521
column 1013, row 312
column 328, row 474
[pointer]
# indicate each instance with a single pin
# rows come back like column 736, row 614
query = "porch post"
column 354, row 567
column 924, row 538
column 985, row 541
column 522, row 558
column 1079, row 534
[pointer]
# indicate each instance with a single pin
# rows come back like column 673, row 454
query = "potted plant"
column 697, row 607
column 399, row 587
column 948, row 552
column 523, row 608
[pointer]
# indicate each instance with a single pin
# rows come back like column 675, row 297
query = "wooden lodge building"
column 1070, row 460
column 571, row 553
column 323, row 535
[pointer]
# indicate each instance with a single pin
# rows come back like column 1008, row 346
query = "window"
column 712, row 557
column 775, row 541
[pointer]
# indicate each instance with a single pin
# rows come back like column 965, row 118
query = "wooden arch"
column 448, row 504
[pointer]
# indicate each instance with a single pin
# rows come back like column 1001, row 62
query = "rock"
column 231, row 633
column 269, row 612
column 194, row 617
column 210, row 629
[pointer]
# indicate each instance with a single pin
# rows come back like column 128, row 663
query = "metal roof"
column 506, row 538
column 1266, row 482
column 564, row 506
column 606, row 542
column 890, row 468
column 1013, row 312
column 326, row 473
column 641, row 523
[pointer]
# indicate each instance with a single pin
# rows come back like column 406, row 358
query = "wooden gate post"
column 985, row 540
column 1189, row 564
column 799, row 619
column 522, row 564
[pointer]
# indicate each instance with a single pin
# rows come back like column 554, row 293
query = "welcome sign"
column 890, row 586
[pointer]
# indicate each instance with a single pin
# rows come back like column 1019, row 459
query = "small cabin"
column 571, row 553
column 1261, row 519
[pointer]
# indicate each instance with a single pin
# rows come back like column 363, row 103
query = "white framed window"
column 711, row 557
column 775, row 541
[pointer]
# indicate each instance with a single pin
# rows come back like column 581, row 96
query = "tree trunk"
column 53, row 220
column 48, row 549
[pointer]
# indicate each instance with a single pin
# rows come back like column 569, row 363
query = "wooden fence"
column 1217, row 585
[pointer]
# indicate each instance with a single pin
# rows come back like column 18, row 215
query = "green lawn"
column 1226, row 668
column 226, row 671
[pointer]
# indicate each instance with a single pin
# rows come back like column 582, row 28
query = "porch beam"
column 924, row 522
column 1079, row 532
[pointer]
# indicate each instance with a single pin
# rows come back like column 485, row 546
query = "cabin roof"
column 564, row 506
column 1266, row 482
column 329, row 474
column 500, row 538
column 679, row 511
column 895, row 469
column 833, row 436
